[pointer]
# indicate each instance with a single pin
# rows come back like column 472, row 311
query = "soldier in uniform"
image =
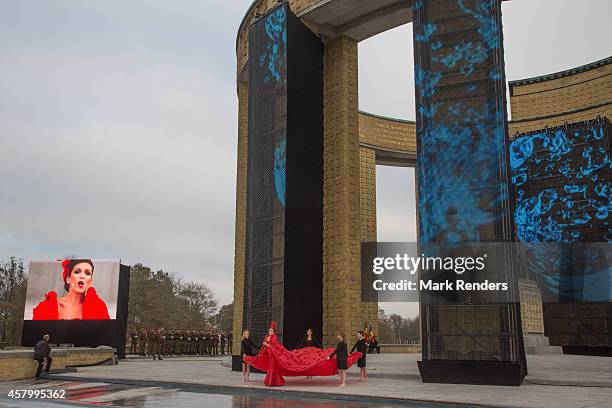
column 157, row 345
column 200, row 342
column 189, row 342
column 153, row 343
column 206, row 342
column 230, row 340
column 222, row 341
column 177, row 342
column 170, row 342
column 151, row 340
column 183, row 346
column 133, row 341
column 142, row 342
column 163, row 343
column 215, row 343
column 194, row 341
column 148, row 342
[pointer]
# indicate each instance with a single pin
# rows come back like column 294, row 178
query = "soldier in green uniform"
column 175, row 342
column 222, row 341
column 157, row 344
column 153, row 343
column 200, row 343
column 133, row 341
column 215, row 343
column 142, row 342
column 195, row 341
column 163, row 343
column 149, row 342
column 183, row 342
column 189, row 342
column 170, row 342
column 206, row 343
column 230, row 340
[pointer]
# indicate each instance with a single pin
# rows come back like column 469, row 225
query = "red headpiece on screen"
column 65, row 267
column 273, row 325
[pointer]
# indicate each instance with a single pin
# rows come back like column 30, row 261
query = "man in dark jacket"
column 42, row 352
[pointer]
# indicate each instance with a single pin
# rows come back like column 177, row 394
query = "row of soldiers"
column 162, row 342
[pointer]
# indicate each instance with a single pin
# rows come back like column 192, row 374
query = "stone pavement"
column 553, row 369
column 210, row 374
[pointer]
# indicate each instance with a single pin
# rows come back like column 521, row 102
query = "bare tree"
column 13, row 282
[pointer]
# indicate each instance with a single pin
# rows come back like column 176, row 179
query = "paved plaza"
column 554, row 381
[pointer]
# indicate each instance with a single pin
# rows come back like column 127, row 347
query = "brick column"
column 532, row 314
column 367, row 199
column 367, row 169
column 341, row 207
column 241, row 190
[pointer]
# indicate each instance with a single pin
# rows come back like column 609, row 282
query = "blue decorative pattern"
column 275, row 54
column 572, row 166
column 274, row 57
column 462, row 146
column 280, row 165
column 561, row 179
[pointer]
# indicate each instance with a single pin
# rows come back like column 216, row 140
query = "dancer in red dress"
column 81, row 301
column 278, row 362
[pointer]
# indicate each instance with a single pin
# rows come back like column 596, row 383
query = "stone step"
column 543, row 350
column 536, row 340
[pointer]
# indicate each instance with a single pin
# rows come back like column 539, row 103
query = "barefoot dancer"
column 341, row 353
column 360, row 346
column 247, row 348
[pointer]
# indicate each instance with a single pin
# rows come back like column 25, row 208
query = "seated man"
column 42, row 352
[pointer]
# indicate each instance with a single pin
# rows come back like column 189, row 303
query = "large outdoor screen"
column 72, row 289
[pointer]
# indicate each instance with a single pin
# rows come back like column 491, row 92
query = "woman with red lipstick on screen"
column 80, row 302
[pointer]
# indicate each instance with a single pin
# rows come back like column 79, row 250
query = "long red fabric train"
column 278, row 362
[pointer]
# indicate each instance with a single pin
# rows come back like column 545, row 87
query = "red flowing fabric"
column 278, row 362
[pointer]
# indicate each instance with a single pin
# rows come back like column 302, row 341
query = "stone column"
column 241, row 193
column 341, row 207
column 532, row 315
column 367, row 199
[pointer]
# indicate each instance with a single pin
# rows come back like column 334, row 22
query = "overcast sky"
column 118, row 123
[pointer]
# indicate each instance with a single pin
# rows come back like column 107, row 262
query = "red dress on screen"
column 94, row 307
column 278, row 362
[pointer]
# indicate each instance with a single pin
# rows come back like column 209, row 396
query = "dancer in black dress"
column 361, row 347
column 341, row 353
column 309, row 341
column 247, row 348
